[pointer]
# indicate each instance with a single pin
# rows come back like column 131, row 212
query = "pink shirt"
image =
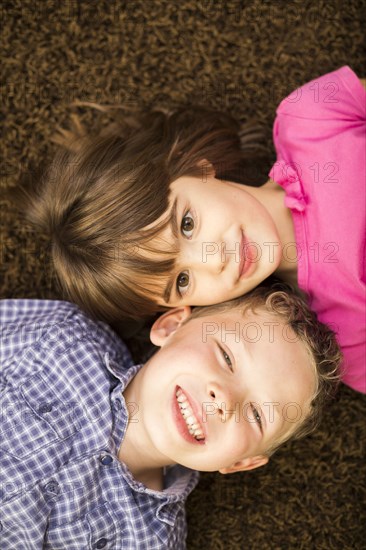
column 320, row 139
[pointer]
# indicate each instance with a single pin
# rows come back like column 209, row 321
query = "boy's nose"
column 222, row 400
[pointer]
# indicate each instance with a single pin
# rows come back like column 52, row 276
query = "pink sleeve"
column 336, row 95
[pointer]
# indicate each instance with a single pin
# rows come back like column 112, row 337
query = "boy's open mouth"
column 193, row 424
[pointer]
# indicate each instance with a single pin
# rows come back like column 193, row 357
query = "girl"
column 164, row 209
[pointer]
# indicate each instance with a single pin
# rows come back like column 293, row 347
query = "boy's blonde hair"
column 325, row 356
column 104, row 188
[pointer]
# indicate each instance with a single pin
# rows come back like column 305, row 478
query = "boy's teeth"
column 188, row 415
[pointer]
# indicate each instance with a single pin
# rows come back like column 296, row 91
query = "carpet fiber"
column 234, row 55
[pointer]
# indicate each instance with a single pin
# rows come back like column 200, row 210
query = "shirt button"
column 101, row 543
column 45, row 408
column 117, row 405
column 106, row 460
column 52, row 487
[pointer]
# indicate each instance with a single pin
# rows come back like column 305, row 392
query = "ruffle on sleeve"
column 289, row 177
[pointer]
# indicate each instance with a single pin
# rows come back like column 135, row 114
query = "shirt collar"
column 119, row 371
column 179, row 480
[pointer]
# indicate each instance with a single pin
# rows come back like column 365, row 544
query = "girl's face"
column 227, row 242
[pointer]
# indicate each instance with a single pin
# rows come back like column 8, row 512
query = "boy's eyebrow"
column 174, row 228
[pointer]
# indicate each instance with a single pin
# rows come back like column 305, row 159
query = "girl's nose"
column 206, row 255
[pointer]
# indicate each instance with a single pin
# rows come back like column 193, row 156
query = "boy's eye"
column 227, row 359
column 182, row 283
column 257, row 417
column 187, row 225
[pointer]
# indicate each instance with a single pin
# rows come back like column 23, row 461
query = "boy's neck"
column 152, row 478
column 134, row 450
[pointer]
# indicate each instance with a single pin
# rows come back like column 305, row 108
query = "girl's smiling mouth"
column 247, row 260
column 187, row 421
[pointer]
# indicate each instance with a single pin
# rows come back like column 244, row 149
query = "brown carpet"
column 241, row 56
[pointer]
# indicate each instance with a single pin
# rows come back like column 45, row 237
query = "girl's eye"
column 182, row 283
column 257, row 417
column 187, row 225
column 227, row 359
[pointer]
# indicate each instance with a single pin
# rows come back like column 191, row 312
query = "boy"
column 98, row 453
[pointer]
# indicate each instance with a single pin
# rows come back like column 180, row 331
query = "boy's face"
column 227, row 240
column 239, row 382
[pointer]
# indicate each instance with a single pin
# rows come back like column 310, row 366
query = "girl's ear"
column 167, row 324
column 246, row 464
column 207, row 168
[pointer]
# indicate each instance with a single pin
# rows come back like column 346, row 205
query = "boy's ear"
column 246, row 464
column 168, row 323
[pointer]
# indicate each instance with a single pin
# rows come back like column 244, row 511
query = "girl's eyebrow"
column 173, row 219
column 168, row 290
column 174, row 229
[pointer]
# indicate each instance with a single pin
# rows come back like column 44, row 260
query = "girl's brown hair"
column 104, row 188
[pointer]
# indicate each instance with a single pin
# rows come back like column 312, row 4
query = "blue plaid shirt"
column 63, row 418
